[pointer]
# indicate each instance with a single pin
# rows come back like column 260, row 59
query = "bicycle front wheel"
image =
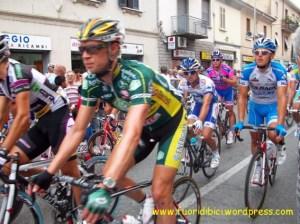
column 187, row 200
column 186, row 166
column 24, row 210
column 256, row 188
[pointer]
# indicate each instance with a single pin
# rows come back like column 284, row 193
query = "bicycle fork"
column 8, row 206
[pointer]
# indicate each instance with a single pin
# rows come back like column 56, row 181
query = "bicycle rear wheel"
column 255, row 193
column 187, row 200
column 100, row 144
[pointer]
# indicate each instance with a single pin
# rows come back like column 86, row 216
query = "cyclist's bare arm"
column 282, row 103
column 291, row 91
column 242, row 102
column 231, row 81
column 205, row 106
column 4, row 102
column 21, row 120
column 121, row 158
column 72, row 139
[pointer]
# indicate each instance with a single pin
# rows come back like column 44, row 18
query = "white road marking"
column 190, row 201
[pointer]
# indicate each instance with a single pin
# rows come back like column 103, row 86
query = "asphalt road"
column 225, row 190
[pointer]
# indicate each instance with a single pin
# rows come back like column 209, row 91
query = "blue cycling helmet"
column 265, row 43
column 216, row 54
column 189, row 64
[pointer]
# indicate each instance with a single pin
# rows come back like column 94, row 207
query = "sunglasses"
column 261, row 52
column 91, row 49
column 215, row 59
column 189, row 73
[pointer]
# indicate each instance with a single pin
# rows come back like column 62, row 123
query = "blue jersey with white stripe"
column 263, row 84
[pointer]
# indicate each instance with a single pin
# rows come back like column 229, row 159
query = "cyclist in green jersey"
column 154, row 115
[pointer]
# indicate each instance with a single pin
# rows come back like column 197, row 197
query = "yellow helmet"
column 105, row 30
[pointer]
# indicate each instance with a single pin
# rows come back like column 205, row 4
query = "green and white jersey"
column 135, row 83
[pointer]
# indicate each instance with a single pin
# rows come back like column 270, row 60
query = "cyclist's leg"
column 59, row 123
column 228, row 100
column 209, row 125
column 271, row 120
column 255, row 118
column 296, row 105
column 144, row 148
column 167, row 162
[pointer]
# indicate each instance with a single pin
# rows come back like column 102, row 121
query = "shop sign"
column 171, row 43
column 183, row 54
column 133, row 49
column 228, row 56
column 74, row 44
column 28, row 42
column 205, row 55
column 247, row 58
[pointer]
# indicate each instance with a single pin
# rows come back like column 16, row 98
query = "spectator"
column 164, row 71
column 60, row 70
column 60, row 82
column 50, row 74
column 78, row 77
column 71, row 89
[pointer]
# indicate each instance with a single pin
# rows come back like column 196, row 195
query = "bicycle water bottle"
column 147, row 216
column 195, row 141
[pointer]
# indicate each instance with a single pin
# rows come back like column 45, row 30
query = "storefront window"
column 34, row 59
column 77, row 62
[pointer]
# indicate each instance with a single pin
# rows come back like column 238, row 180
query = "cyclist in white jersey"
column 204, row 109
column 31, row 92
column 268, row 82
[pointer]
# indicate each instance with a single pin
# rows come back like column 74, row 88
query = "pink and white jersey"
column 225, row 70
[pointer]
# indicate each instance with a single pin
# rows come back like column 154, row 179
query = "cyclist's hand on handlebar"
column 198, row 125
column 95, row 204
column 280, row 130
column 239, row 126
column 40, row 182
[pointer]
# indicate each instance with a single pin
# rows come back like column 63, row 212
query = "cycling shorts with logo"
column 261, row 113
column 211, row 117
column 171, row 138
column 226, row 95
column 48, row 131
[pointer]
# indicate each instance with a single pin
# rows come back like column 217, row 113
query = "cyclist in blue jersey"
column 204, row 110
column 268, row 83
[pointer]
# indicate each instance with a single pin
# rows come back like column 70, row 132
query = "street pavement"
column 226, row 189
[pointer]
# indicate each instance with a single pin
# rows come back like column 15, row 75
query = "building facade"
column 42, row 32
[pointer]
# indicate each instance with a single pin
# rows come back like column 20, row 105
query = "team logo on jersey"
column 122, row 84
column 134, row 85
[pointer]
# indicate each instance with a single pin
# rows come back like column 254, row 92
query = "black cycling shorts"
column 170, row 137
column 48, row 131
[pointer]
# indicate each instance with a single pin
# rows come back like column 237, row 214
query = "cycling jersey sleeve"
column 90, row 91
column 245, row 74
column 140, row 87
column 280, row 73
column 23, row 78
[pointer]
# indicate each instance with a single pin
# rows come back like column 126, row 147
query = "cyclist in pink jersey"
column 224, row 79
